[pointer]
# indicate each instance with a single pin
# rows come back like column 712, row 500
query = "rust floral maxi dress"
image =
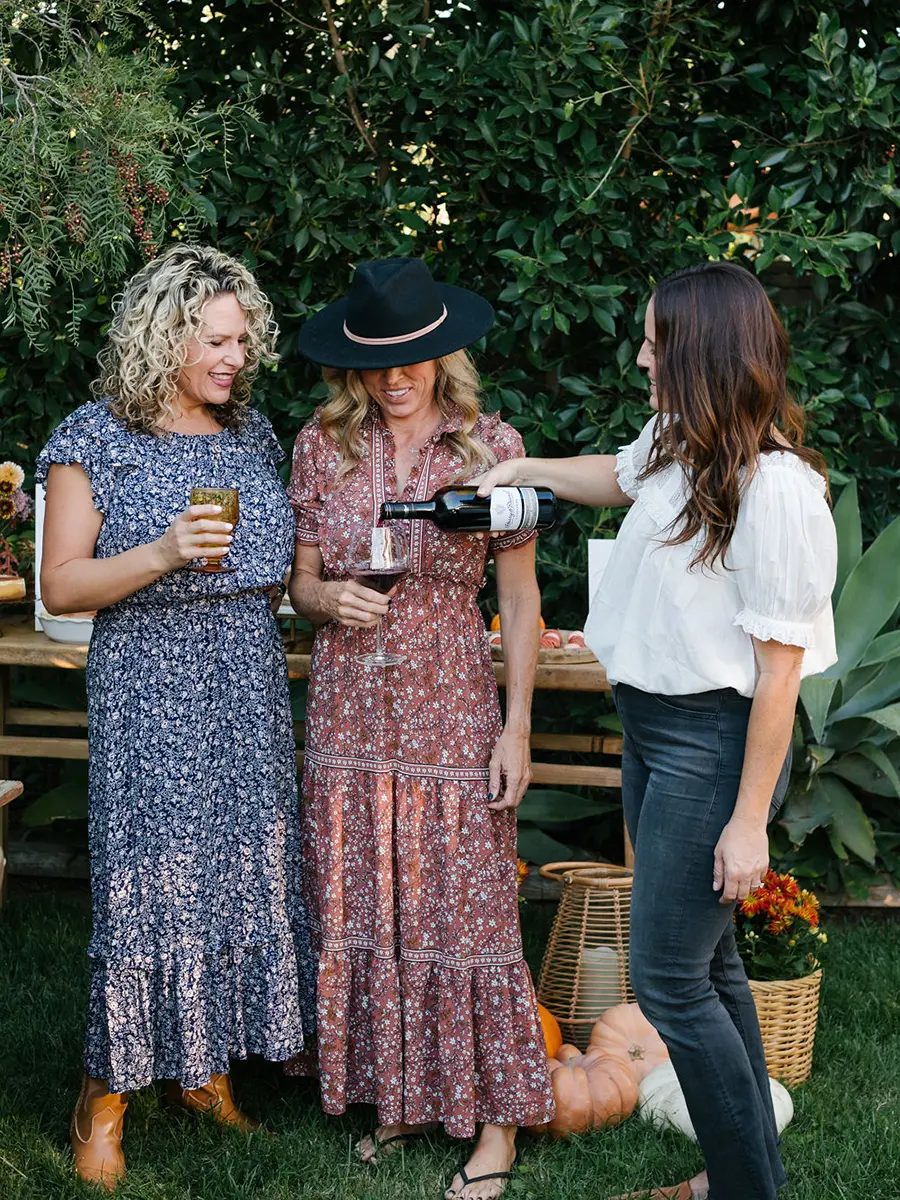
column 425, row 1005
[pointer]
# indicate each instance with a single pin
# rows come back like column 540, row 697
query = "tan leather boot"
column 96, row 1134
column 215, row 1100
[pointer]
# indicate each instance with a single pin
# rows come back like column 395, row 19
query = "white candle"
column 600, row 982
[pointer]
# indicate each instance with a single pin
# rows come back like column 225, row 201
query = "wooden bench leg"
column 4, row 772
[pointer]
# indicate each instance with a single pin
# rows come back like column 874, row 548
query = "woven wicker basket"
column 585, row 967
column 788, row 1011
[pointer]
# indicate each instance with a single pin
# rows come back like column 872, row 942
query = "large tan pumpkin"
column 591, row 1091
column 624, row 1032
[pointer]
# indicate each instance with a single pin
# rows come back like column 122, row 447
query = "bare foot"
column 495, row 1152
column 388, row 1138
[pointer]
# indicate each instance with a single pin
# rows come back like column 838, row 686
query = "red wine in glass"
column 379, row 558
column 379, row 581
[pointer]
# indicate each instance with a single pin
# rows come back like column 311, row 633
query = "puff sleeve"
column 783, row 554
column 632, row 459
column 92, row 438
column 306, row 490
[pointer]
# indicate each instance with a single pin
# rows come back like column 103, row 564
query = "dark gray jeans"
column 681, row 767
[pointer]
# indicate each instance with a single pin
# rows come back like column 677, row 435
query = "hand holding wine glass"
column 228, row 502
column 354, row 605
column 198, row 532
column 379, row 558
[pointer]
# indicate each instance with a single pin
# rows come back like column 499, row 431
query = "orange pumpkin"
column 623, row 1032
column 495, row 622
column 591, row 1091
column 551, row 1029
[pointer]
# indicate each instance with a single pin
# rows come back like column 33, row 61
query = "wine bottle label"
column 514, row 508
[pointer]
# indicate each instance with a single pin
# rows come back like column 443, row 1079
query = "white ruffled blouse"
column 661, row 626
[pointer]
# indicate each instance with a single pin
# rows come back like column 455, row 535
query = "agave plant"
column 847, row 740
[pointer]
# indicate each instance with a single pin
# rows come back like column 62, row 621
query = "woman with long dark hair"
column 715, row 603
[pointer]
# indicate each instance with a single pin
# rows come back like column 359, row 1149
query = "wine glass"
column 227, row 498
column 379, row 558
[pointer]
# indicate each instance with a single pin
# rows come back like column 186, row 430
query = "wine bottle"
column 462, row 510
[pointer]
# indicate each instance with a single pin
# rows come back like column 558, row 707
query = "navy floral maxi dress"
column 200, row 950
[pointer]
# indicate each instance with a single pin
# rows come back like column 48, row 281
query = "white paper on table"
column 38, row 545
column 599, row 551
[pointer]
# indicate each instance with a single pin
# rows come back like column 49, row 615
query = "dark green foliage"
column 558, row 158
column 90, row 159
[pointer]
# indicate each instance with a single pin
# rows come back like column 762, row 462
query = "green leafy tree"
column 90, row 158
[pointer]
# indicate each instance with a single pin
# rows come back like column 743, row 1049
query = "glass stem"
column 379, row 641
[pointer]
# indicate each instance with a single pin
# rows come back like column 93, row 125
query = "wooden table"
column 22, row 645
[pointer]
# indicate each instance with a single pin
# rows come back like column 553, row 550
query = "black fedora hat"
column 394, row 314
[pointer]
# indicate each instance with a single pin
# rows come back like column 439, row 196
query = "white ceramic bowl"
column 76, row 630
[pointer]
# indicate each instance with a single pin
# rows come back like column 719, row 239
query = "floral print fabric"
column 425, row 1005
column 200, row 949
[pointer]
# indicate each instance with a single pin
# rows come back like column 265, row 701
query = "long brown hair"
column 721, row 362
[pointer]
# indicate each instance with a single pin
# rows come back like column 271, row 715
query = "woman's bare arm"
column 588, row 479
column 73, row 580
column 742, row 854
column 321, row 600
column 520, row 612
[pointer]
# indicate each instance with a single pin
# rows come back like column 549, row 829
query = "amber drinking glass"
column 227, row 498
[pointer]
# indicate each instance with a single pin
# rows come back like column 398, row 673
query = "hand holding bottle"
column 511, row 473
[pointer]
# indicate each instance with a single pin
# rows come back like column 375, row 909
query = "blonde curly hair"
column 456, row 384
column 159, row 312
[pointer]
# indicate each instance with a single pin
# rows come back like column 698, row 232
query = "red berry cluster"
column 156, row 194
column 74, row 223
column 84, row 160
column 10, row 257
column 136, row 194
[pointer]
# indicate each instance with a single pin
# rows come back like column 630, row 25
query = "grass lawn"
column 844, row 1143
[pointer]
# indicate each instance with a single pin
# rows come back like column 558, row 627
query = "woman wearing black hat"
column 426, row 1007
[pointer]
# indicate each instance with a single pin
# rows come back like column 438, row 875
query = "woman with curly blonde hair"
column 411, row 779
column 199, row 951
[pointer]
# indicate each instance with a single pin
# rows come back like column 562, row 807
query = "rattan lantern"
column 585, row 967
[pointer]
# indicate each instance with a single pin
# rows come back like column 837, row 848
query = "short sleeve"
column 632, row 459
column 783, row 553
column 259, row 433
column 92, row 438
column 506, row 442
column 306, row 490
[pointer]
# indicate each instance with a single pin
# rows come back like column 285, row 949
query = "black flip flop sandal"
column 380, row 1143
column 510, row 1174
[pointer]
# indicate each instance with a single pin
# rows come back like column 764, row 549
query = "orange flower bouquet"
column 778, row 932
column 521, row 876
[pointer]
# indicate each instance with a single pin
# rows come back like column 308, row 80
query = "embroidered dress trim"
column 428, row 954
column 512, row 541
column 309, row 537
column 395, row 766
